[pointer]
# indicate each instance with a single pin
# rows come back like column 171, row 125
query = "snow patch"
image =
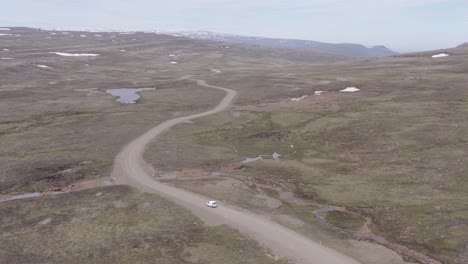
column 5, row 34
column 4, row 29
column 350, row 90
column 7, row 58
column 318, row 92
column 6, row 50
column 83, row 36
column 298, row 99
column 441, row 55
column 75, row 54
column 276, row 155
column 248, row 160
column 43, row 66
column 174, row 62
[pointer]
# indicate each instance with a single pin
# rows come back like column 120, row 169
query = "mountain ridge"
column 345, row 49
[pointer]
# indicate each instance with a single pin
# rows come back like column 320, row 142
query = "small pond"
column 128, row 95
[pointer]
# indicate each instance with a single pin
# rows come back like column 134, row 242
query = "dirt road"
column 130, row 168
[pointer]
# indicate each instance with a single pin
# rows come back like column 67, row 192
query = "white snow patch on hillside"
column 43, row 66
column 7, row 58
column 318, row 92
column 248, row 160
column 6, row 50
column 298, row 99
column 276, row 155
column 75, row 54
column 441, row 55
column 350, row 90
column 83, row 36
column 5, row 34
column 173, row 62
column 4, row 29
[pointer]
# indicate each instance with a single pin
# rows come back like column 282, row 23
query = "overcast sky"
column 402, row 25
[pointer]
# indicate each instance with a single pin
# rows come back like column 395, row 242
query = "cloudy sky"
column 403, row 25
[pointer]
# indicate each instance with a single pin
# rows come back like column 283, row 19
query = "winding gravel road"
column 130, row 168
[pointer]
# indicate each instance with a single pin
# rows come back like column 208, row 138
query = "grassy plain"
column 59, row 126
column 116, row 225
column 395, row 151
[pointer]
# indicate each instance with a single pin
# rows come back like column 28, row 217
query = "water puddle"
column 21, row 196
column 169, row 175
column 128, row 95
column 260, row 157
column 108, row 183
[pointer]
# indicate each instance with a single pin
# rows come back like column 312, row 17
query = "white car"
column 212, row 204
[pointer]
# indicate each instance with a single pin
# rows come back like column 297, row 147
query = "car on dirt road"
column 212, row 204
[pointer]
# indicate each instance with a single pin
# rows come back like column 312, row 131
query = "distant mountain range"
column 345, row 49
column 463, row 45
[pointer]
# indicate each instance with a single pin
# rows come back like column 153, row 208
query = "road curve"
column 130, row 168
